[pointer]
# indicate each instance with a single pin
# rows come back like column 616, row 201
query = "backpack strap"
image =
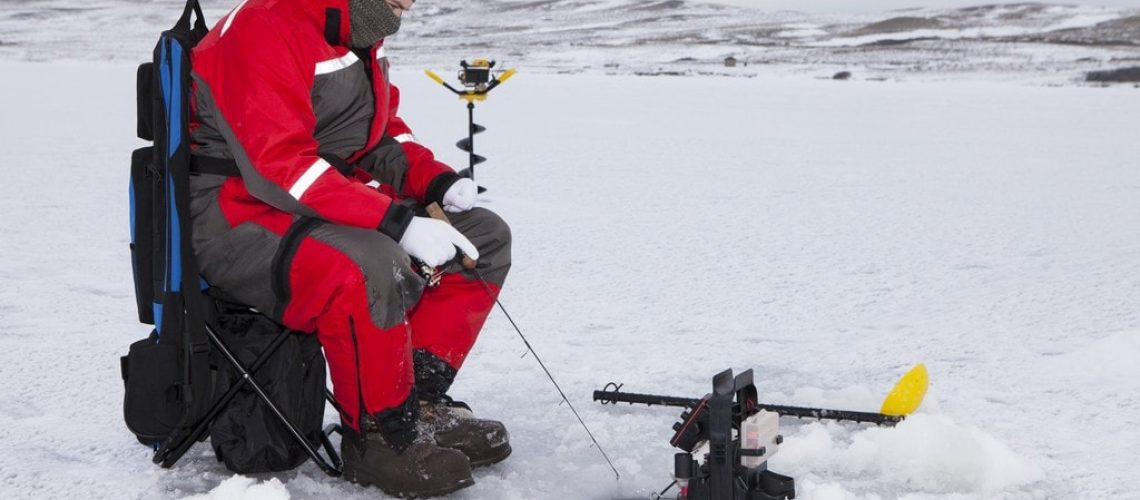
column 183, row 24
column 202, row 164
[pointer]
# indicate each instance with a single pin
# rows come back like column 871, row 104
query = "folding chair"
column 170, row 402
column 178, row 444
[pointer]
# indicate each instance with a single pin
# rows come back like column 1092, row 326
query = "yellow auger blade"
column 506, row 75
column 431, row 74
column 908, row 393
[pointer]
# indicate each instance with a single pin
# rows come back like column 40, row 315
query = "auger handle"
column 472, row 94
column 438, row 79
column 499, row 80
column 437, row 213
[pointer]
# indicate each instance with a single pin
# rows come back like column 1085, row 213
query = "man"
column 317, row 222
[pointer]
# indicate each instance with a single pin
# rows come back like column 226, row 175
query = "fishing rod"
column 469, row 264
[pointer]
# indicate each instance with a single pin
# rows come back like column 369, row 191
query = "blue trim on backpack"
column 170, row 73
column 174, row 105
column 158, row 319
column 175, row 284
column 131, row 190
column 164, row 167
column 173, row 143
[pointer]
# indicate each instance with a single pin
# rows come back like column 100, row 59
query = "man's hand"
column 460, row 197
column 434, row 241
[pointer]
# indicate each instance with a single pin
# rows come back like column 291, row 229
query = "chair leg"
column 248, row 379
column 334, row 456
column 174, row 453
column 174, row 449
column 336, row 406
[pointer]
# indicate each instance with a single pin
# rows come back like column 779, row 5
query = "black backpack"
column 168, row 379
column 245, row 434
column 174, row 376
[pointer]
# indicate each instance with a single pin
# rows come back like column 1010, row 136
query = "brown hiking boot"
column 422, row 469
column 483, row 441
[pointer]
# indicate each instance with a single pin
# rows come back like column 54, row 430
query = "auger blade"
column 466, row 146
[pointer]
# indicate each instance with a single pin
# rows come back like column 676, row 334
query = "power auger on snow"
column 728, row 436
column 478, row 81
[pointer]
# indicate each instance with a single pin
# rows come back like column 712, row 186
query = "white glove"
column 460, row 197
column 434, row 241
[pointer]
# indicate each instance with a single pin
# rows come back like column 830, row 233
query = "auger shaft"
column 471, row 138
column 467, row 144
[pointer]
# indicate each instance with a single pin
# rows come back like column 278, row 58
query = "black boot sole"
column 500, row 455
column 434, row 492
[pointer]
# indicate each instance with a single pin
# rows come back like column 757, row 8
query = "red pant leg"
column 448, row 318
column 353, row 287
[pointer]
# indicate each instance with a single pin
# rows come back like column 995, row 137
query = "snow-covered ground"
column 827, row 234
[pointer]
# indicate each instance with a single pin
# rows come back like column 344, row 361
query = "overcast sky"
column 882, row 5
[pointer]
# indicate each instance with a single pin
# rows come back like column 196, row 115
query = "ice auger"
column 478, row 82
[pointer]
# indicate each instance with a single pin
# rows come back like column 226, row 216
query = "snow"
column 930, row 453
column 240, row 487
column 827, row 234
column 801, row 31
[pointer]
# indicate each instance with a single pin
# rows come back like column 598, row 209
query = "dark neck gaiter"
column 372, row 21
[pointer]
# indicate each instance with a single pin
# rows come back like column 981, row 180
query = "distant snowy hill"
column 1028, row 41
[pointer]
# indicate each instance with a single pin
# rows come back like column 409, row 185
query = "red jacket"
column 273, row 94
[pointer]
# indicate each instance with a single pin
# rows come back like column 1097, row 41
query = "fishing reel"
column 433, row 275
